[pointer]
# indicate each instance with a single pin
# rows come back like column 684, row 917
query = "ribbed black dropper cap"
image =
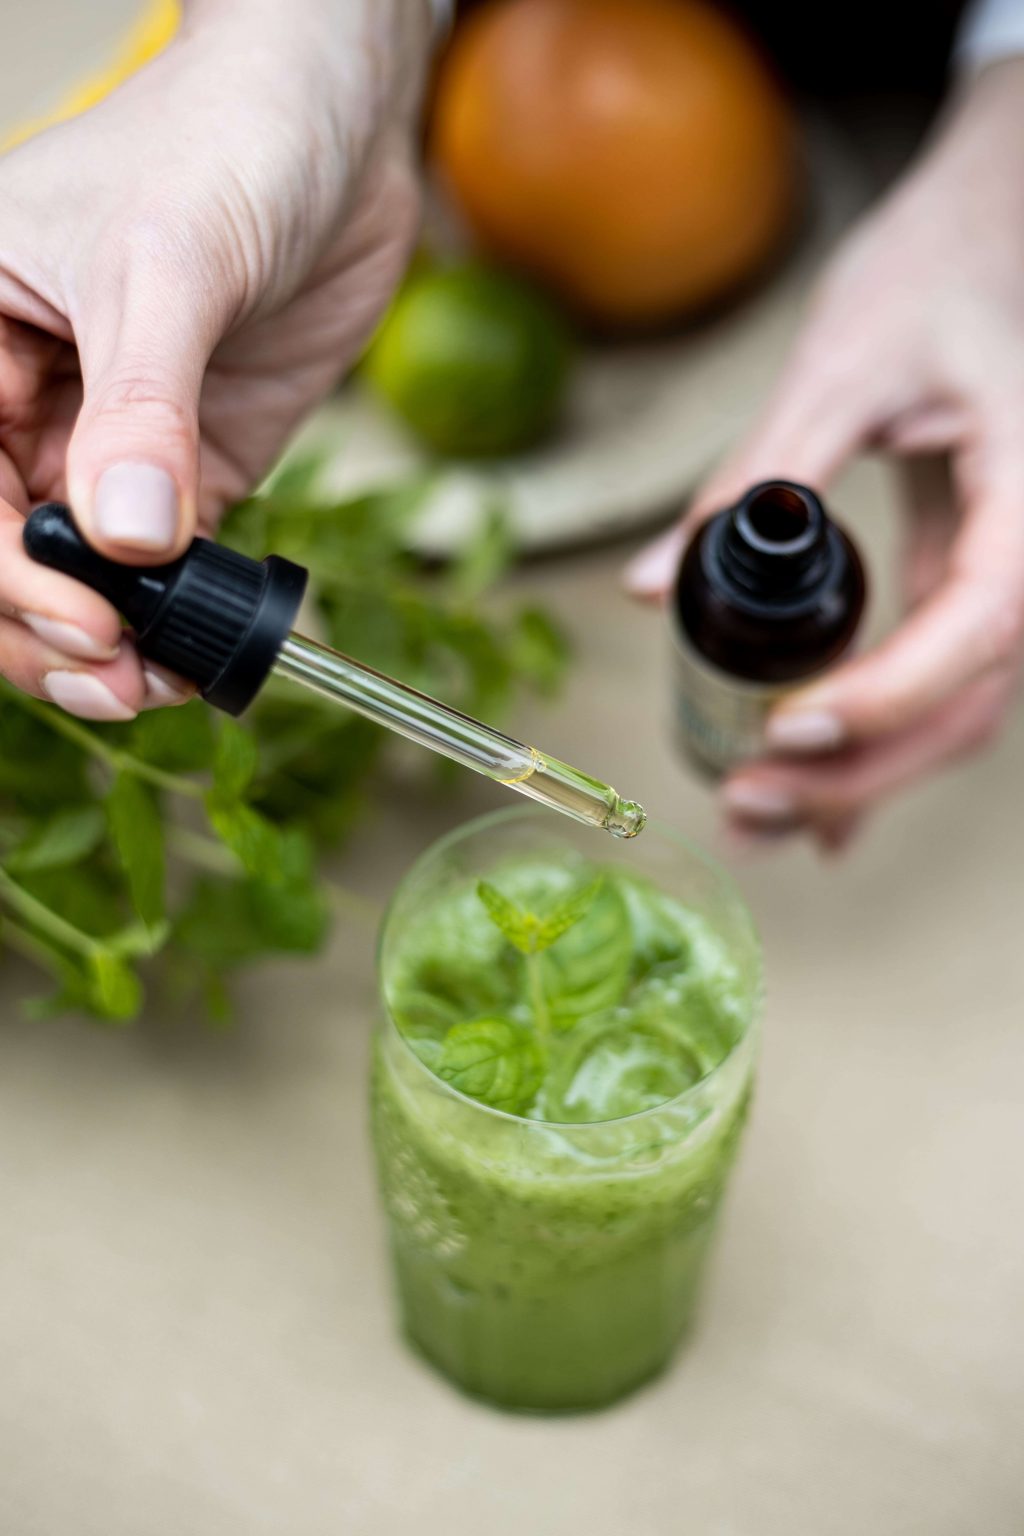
column 214, row 616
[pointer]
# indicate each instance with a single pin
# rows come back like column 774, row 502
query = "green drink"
column 559, row 1086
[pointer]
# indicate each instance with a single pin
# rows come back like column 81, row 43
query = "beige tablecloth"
column 195, row 1333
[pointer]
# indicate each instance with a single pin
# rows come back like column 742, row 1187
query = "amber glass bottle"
column 770, row 593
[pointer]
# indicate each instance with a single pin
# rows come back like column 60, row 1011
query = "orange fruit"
column 635, row 155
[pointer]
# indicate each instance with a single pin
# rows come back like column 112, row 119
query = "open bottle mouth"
column 779, row 520
column 775, row 540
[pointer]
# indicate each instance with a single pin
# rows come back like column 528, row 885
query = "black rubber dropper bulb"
column 213, row 616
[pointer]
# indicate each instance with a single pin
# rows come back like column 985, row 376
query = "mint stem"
column 48, row 921
column 538, row 1002
column 114, row 757
column 207, row 854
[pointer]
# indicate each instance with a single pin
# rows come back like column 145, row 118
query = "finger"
column 113, row 690
column 835, row 837
column 133, row 460
column 971, row 626
column 164, row 690
column 650, row 574
column 745, row 838
column 818, row 415
column 826, row 793
column 65, row 615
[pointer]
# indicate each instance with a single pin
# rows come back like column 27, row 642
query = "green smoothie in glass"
column 559, row 1086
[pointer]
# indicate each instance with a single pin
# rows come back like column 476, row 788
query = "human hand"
column 185, row 271
column 915, row 347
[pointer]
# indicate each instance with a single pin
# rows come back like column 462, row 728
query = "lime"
column 474, row 360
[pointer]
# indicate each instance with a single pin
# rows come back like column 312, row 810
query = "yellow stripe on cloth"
column 150, row 34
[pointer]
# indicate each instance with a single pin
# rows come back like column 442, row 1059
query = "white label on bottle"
column 721, row 718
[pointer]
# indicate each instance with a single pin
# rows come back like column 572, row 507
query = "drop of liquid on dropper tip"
column 626, row 819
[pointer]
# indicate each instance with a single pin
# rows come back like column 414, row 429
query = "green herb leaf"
column 251, row 837
column 139, row 838
column 456, row 957
column 229, row 922
column 539, row 650
column 115, row 991
column 137, row 940
column 587, row 970
column 485, row 555
column 519, row 927
column 568, row 913
column 318, row 765
column 234, row 763
column 62, row 839
column 659, row 925
column 181, row 740
column 494, row 1061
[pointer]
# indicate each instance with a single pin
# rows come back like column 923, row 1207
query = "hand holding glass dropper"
column 225, row 622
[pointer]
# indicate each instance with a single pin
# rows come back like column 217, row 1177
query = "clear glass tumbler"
column 543, row 1266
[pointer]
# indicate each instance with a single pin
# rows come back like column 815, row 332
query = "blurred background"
column 195, row 1325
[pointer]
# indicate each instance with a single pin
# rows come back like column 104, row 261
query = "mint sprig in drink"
column 559, row 1086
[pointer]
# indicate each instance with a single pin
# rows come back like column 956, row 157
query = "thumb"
column 133, row 458
column 815, row 419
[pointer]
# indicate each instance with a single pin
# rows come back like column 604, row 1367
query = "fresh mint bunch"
column 493, row 1059
column 616, row 992
column 178, row 848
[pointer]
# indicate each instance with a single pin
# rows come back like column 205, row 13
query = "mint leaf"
column 251, row 837
column 317, row 768
column 454, row 964
column 235, row 761
column 568, row 913
column 659, row 924
column 63, row 839
column 114, row 990
column 139, row 838
column 493, row 1061
column 539, row 650
column 137, row 941
column 229, row 922
column 587, row 970
column 519, row 927
column 485, row 555
column 180, row 739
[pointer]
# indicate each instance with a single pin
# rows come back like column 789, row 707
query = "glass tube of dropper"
column 467, row 741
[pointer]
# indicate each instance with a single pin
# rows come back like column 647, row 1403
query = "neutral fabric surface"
column 195, row 1331
column 195, row 1328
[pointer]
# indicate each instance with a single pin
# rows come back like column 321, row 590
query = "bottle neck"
column 775, row 543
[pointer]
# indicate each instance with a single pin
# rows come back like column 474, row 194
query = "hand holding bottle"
column 914, row 346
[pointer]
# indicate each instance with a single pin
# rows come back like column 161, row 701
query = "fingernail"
column 137, row 505
column 804, row 730
column 83, row 695
column 68, row 638
column 763, row 802
column 164, row 689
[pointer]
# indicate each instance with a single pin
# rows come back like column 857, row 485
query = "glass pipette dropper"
column 225, row 622
column 457, row 736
